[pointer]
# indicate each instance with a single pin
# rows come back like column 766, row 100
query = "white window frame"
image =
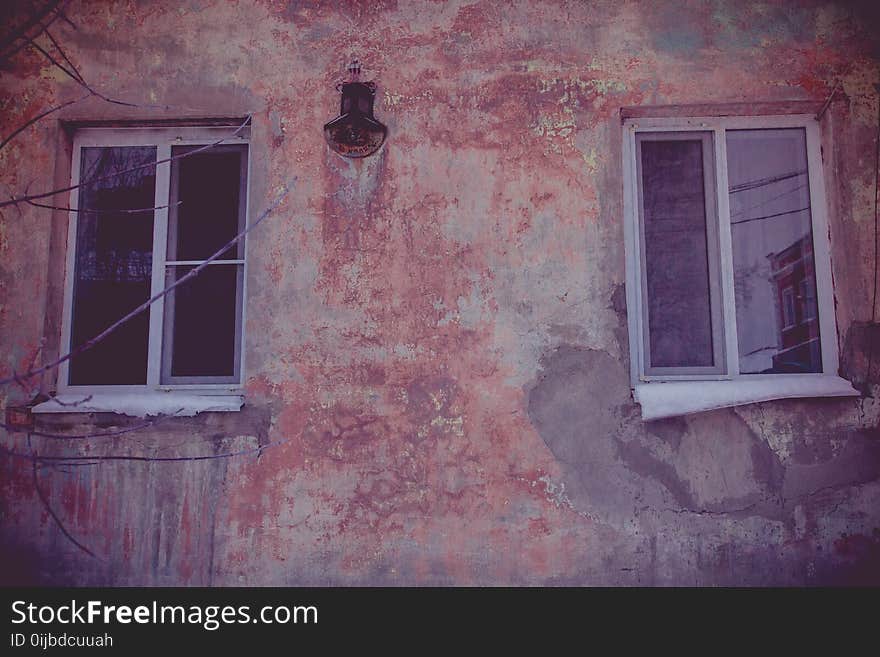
column 671, row 394
column 808, row 303
column 154, row 397
column 788, row 295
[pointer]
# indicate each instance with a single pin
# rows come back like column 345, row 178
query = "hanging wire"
column 45, row 500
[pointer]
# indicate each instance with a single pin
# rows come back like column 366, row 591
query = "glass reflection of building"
column 793, row 275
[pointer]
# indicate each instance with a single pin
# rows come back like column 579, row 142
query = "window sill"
column 142, row 404
column 669, row 399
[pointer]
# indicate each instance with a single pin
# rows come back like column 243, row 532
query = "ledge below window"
column 671, row 398
column 142, row 404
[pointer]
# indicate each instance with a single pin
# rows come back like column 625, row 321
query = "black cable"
column 51, row 511
column 769, row 216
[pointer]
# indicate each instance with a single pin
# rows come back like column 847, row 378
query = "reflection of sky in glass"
column 772, row 250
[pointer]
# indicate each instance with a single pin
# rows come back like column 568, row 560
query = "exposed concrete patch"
column 575, row 405
column 669, row 430
column 727, row 466
column 711, row 463
column 642, row 461
column 858, row 462
column 621, row 331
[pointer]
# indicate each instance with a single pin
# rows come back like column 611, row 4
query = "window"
column 728, row 270
column 807, row 300
column 138, row 225
column 788, row 308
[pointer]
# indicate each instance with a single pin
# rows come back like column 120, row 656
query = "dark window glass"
column 676, row 253
column 207, row 197
column 114, row 259
column 202, row 322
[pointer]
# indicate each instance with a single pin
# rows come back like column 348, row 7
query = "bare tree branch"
column 64, row 55
column 31, row 42
column 85, row 346
column 74, row 75
column 51, row 511
column 73, row 404
column 21, row 384
column 62, row 467
column 93, row 211
column 72, row 71
column 15, row 200
column 40, row 116
column 37, row 19
column 59, row 12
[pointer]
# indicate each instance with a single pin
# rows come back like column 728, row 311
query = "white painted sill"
column 142, row 403
column 660, row 399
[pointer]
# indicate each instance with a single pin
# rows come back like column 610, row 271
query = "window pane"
column 677, row 271
column 209, row 188
column 774, row 276
column 114, row 259
column 202, row 323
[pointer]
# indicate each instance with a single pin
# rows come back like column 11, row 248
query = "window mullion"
column 160, row 245
column 821, row 252
column 731, row 346
column 70, row 267
column 632, row 235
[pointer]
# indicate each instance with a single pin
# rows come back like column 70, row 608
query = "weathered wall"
column 438, row 333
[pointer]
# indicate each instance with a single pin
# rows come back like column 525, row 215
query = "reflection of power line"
column 769, row 200
column 768, row 216
column 763, row 182
column 654, row 228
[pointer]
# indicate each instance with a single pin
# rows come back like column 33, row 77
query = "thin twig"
column 57, row 13
column 60, row 13
column 828, row 100
column 146, row 304
column 21, row 384
column 30, row 197
column 79, row 79
column 40, row 116
column 58, row 65
column 94, row 211
column 74, row 75
column 78, row 402
column 64, row 55
column 51, row 511
column 37, row 19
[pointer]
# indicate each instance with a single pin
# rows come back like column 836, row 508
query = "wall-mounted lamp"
column 355, row 132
